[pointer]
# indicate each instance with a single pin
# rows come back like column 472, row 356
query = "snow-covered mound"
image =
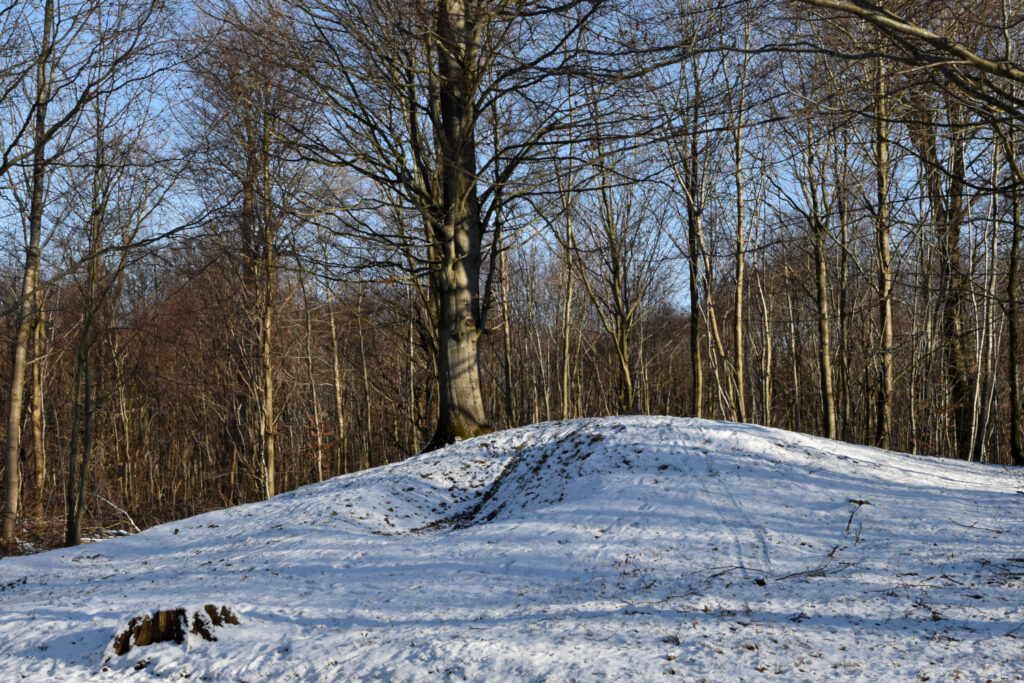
column 624, row 548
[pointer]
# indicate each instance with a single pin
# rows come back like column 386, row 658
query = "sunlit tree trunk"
column 828, row 406
column 37, row 416
column 314, row 394
column 339, row 413
column 458, row 232
column 30, row 282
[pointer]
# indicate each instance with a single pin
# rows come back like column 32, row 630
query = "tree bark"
column 266, row 331
column 1013, row 322
column 883, row 406
column 697, row 373
column 946, row 207
column 458, row 232
column 37, row 416
column 506, row 345
column 85, row 401
column 27, row 298
column 739, row 359
column 828, row 407
column 339, row 414
column 366, row 442
column 318, row 448
column 569, row 283
column 794, row 358
column 766, row 356
column 80, row 454
column 845, row 381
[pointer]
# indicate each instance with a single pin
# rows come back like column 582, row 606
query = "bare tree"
column 618, row 251
column 249, row 104
column 81, row 51
column 405, row 85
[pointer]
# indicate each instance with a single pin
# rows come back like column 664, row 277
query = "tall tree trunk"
column 946, row 206
column 845, row 380
column 717, row 353
column 339, row 413
column 565, row 361
column 267, row 422
column 27, row 298
column 766, row 356
column 127, row 478
column 366, row 442
column 73, row 523
column 1011, row 145
column 458, row 232
column 37, row 414
column 740, row 244
column 696, row 368
column 506, row 341
column 85, row 411
column 883, row 405
column 818, row 210
column 824, row 346
column 1013, row 320
column 985, row 386
column 626, row 398
column 314, row 395
column 80, row 456
column 410, row 380
column 739, row 360
column 693, row 186
column 794, row 357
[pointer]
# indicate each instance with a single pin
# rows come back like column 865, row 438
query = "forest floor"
column 642, row 548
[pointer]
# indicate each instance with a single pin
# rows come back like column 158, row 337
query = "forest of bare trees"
column 249, row 246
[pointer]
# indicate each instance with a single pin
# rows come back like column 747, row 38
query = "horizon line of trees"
column 254, row 246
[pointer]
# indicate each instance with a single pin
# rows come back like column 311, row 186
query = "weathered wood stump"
column 203, row 624
column 173, row 624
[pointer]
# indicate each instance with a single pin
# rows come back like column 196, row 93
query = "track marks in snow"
column 749, row 537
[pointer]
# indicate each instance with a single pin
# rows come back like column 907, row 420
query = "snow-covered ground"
column 623, row 548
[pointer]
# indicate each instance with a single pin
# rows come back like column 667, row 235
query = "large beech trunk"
column 457, row 233
column 461, row 407
column 461, row 410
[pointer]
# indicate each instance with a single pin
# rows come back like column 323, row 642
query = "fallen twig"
column 975, row 526
column 823, row 570
column 857, row 504
column 123, row 512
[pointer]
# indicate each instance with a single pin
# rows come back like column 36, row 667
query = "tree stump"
column 173, row 624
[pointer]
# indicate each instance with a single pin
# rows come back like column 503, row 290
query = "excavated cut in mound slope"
column 571, row 462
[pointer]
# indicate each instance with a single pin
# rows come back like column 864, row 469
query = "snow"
column 640, row 548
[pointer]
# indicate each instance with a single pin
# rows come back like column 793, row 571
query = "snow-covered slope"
column 622, row 548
